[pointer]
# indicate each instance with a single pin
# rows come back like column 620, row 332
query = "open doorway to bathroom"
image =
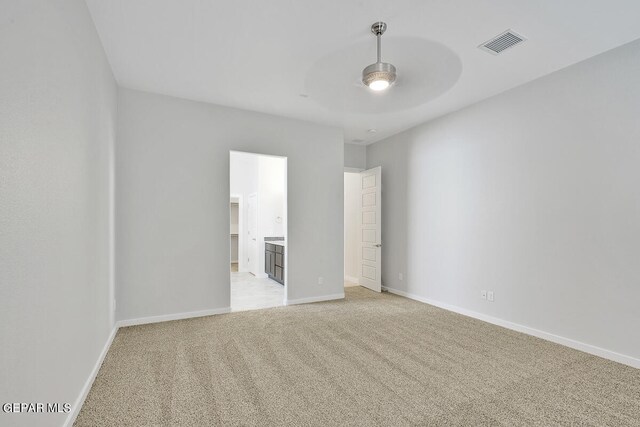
column 257, row 230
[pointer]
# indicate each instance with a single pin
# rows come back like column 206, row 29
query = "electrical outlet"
column 483, row 294
column 320, row 280
column 490, row 296
column 400, row 277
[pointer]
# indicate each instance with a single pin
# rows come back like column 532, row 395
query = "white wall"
column 355, row 156
column 244, row 178
column 532, row 194
column 271, row 186
column 234, row 227
column 57, row 127
column 271, row 202
column 351, row 198
column 172, row 202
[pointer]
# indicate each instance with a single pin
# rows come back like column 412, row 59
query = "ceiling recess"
column 502, row 42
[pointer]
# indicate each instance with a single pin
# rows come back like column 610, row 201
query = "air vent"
column 502, row 42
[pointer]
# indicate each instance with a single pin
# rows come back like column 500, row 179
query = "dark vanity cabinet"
column 274, row 262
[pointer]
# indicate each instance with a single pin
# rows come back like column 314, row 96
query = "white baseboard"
column 168, row 317
column 77, row 405
column 351, row 279
column 577, row 345
column 314, row 299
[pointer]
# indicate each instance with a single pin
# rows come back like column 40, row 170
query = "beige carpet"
column 368, row 360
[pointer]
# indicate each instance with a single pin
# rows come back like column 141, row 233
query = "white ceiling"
column 263, row 55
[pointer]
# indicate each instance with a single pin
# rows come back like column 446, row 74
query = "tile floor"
column 250, row 293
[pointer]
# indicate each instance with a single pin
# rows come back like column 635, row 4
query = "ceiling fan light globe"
column 378, row 85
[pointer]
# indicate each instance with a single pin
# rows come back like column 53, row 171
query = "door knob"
column 379, row 245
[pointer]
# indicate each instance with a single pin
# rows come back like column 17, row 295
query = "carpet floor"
column 371, row 359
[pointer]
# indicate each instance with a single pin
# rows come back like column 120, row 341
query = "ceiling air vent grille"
column 502, row 42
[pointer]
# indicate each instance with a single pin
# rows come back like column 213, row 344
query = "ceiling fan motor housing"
column 379, row 71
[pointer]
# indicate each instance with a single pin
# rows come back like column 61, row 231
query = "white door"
column 370, row 234
column 252, row 233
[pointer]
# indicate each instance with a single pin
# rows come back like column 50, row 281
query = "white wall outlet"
column 483, row 294
column 490, row 296
column 320, row 280
column 400, row 277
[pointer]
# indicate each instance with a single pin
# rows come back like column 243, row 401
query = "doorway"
column 363, row 228
column 258, row 185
